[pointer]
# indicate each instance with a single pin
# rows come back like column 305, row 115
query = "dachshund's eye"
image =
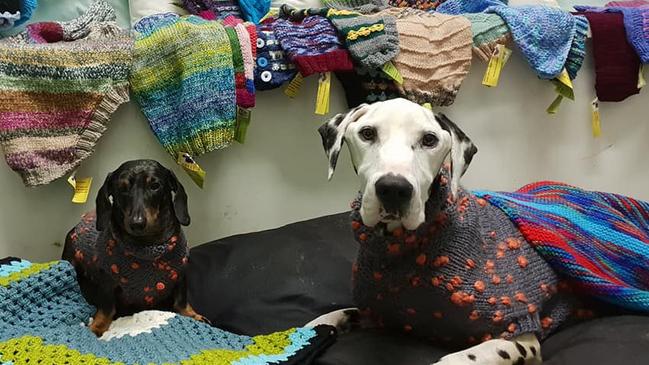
column 154, row 186
column 368, row 134
column 429, row 140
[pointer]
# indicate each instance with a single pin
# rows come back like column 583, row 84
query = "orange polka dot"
column 456, row 298
column 411, row 240
column 481, row 202
column 506, row 301
column 522, row 261
column 411, row 311
column 519, row 296
column 489, row 266
column 407, row 328
column 546, row 322
column 173, row 239
column 114, row 268
column 135, row 265
column 531, row 308
column 398, row 232
column 492, row 234
column 377, row 276
column 173, row 275
column 436, row 281
column 474, row 315
column 502, row 246
column 356, row 225
column 479, row 286
column 513, row 243
column 456, row 280
column 440, row 261
column 148, row 299
column 470, row 264
column 160, row 286
column 486, row 337
column 437, row 315
column 468, row 299
column 362, row 237
column 492, row 300
column 421, row 259
column 394, row 248
column 78, row 255
column 495, row 279
column 509, row 279
column 498, row 317
column 147, row 289
column 511, row 327
column 415, row 281
column 500, row 254
column 450, row 287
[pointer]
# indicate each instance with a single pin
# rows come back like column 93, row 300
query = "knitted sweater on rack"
column 42, row 313
column 465, row 275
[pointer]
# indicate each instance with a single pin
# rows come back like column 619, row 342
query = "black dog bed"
column 267, row 281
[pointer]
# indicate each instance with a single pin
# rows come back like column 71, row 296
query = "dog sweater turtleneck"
column 146, row 275
column 465, row 275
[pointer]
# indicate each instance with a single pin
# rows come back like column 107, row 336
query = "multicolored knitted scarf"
column 599, row 240
column 42, row 317
column 59, row 85
column 183, row 79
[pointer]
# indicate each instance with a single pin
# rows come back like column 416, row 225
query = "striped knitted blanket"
column 598, row 240
column 42, row 316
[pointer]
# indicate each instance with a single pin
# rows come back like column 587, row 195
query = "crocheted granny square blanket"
column 42, row 316
column 598, row 240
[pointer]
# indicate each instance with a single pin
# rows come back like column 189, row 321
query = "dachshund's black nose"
column 137, row 223
column 394, row 193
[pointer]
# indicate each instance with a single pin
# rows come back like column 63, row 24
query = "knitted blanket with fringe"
column 43, row 316
column 598, row 240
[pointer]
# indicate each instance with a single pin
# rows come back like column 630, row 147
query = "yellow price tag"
column 427, row 106
column 195, row 172
column 243, row 120
column 496, row 63
column 641, row 80
column 552, row 109
column 294, row 86
column 595, row 119
column 390, row 69
column 563, row 85
column 324, row 87
column 81, row 188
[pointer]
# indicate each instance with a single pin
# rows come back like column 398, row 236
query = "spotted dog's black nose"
column 394, row 193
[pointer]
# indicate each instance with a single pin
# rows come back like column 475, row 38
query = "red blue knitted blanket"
column 600, row 241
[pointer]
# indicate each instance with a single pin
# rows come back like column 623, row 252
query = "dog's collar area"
column 151, row 251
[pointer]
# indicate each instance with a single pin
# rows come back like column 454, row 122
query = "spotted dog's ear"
column 462, row 150
column 333, row 134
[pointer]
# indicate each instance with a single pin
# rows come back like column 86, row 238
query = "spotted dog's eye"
column 429, row 140
column 368, row 134
column 154, row 186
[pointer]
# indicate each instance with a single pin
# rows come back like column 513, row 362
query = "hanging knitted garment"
column 59, row 85
column 616, row 63
column 367, row 86
column 273, row 68
column 254, row 10
column 636, row 23
column 243, row 59
column 434, row 56
column 312, row 45
column 545, row 36
column 488, row 30
column 426, row 5
column 600, row 241
column 465, row 275
column 217, row 9
column 42, row 313
column 183, row 79
column 457, row 7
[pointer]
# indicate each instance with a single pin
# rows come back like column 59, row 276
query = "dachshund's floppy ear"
column 103, row 204
column 180, row 200
column 333, row 133
column 462, row 150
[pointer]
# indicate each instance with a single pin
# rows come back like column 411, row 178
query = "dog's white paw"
column 523, row 350
column 342, row 319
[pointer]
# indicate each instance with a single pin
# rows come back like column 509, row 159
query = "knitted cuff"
column 363, row 6
column 628, row 3
column 336, row 60
column 577, row 51
column 99, row 11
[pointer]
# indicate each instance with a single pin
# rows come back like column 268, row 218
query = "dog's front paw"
column 98, row 327
column 201, row 318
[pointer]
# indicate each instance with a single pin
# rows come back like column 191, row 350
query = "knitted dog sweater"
column 434, row 56
column 59, row 85
column 183, row 79
column 488, row 30
column 42, row 317
column 146, row 275
column 465, row 275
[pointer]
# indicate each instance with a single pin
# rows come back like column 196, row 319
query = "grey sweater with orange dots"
column 144, row 275
column 466, row 275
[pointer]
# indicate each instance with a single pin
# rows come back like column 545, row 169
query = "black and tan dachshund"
column 130, row 255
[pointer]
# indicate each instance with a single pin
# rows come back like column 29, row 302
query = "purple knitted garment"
column 465, row 275
column 636, row 23
column 312, row 45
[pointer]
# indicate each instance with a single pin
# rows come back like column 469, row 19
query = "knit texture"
column 577, row 52
column 636, row 23
column 273, row 68
column 312, row 45
column 42, row 313
column 183, row 79
column 362, row 6
column 371, row 40
column 365, row 85
column 600, row 241
column 57, row 96
column 254, row 10
column 434, row 55
column 243, row 61
column 426, row 5
column 27, row 8
column 543, row 34
column 488, row 30
column 616, row 63
column 457, row 7
column 146, row 275
column 217, row 8
column 465, row 275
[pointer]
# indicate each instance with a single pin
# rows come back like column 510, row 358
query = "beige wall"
column 279, row 175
